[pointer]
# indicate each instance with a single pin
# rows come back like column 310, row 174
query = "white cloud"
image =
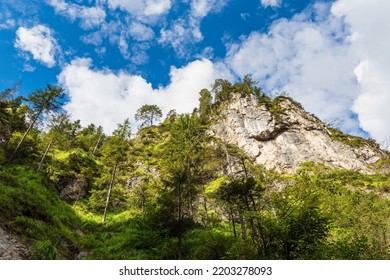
column 8, row 23
column 333, row 58
column 369, row 25
column 271, row 3
column 201, row 8
column 90, row 17
column 186, row 30
column 38, row 41
column 107, row 98
column 141, row 32
column 307, row 60
column 142, row 8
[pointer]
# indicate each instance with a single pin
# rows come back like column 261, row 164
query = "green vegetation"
column 173, row 192
column 350, row 140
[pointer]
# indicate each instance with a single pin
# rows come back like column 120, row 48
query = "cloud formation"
column 369, row 27
column 141, row 8
column 185, row 30
column 312, row 61
column 39, row 42
column 271, row 3
column 106, row 98
column 90, row 17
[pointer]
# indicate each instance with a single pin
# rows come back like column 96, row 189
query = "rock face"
column 11, row 248
column 73, row 189
column 286, row 137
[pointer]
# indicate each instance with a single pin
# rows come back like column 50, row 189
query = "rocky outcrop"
column 285, row 136
column 11, row 248
column 73, row 189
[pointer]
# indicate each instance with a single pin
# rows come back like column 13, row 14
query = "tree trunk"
column 97, row 143
column 179, row 221
column 206, row 211
column 233, row 222
column 243, row 229
column 44, row 155
column 109, row 192
column 25, row 135
column 228, row 161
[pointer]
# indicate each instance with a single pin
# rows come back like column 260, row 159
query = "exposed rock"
column 287, row 138
column 73, row 189
column 11, row 248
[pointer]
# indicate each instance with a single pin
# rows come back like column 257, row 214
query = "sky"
column 113, row 56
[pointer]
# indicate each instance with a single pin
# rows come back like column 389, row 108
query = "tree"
column 148, row 114
column 205, row 102
column 58, row 125
column 247, row 86
column 9, row 92
column 182, row 161
column 221, row 89
column 115, row 152
column 101, row 134
column 42, row 101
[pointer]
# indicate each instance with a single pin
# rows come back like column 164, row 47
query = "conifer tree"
column 115, row 152
column 182, row 161
column 148, row 114
column 58, row 125
column 42, row 101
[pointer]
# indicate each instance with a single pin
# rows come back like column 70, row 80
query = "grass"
column 31, row 208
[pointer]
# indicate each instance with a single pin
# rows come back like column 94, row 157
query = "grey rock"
column 73, row 189
column 285, row 140
column 11, row 247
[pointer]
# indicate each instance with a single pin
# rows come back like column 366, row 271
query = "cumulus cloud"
column 369, row 27
column 333, row 58
column 90, row 17
column 106, row 98
column 271, row 3
column 306, row 59
column 39, row 42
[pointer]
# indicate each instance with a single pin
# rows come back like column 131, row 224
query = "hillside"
column 242, row 177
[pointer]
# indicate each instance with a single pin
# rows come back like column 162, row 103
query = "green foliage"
column 48, row 100
column 350, row 140
column 148, row 114
column 31, row 208
column 205, row 103
column 43, row 250
column 221, row 90
column 208, row 244
column 247, row 86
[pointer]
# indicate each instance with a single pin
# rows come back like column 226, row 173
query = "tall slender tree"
column 115, row 152
column 182, row 160
column 51, row 99
column 205, row 102
column 58, row 125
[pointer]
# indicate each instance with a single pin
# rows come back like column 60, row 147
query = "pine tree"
column 148, row 114
column 42, row 101
column 115, row 152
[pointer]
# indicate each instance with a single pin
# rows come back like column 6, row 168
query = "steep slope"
column 280, row 134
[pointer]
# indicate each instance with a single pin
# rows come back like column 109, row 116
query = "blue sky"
column 112, row 56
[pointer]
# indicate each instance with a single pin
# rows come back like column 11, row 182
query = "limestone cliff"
column 280, row 134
